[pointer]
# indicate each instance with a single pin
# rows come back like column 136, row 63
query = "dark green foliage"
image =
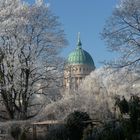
column 126, row 124
column 123, row 105
column 87, row 132
column 134, row 107
column 23, row 136
column 20, row 132
column 120, row 129
column 76, row 123
column 110, row 131
column 57, row 133
column 15, row 132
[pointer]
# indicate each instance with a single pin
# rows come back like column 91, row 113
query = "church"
column 78, row 65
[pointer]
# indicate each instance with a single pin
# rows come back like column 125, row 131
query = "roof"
column 80, row 56
column 48, row 122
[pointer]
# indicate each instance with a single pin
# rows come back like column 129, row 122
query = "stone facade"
column 74, row 74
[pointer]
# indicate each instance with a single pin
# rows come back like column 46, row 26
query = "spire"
column 79, row 44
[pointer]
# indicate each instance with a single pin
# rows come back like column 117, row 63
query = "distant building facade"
column 78, row 65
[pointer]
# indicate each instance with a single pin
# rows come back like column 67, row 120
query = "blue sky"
column 87, row 17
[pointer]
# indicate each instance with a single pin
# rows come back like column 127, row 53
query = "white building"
column 79, row 64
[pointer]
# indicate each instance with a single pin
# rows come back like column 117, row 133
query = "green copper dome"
column 80, row 56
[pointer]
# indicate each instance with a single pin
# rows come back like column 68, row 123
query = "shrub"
column 15, row 131
column 109, row 131
column 76, row 123
column 57, row 133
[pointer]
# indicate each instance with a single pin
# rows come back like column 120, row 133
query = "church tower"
column 78, row 65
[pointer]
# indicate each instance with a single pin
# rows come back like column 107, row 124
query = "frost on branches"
column 30, row 41
column 122, row 34
column 96, row 95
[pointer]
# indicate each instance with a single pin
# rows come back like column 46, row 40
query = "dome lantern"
column 79, row 44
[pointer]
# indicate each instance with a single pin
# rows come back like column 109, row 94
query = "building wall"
column 74, row 75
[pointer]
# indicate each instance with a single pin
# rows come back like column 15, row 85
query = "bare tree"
column 30, row 41
column 122, row 34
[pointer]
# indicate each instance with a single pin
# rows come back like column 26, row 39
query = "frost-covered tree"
column 122, row 34
column 91, row 98
column 30, row 41
column 96, row 96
